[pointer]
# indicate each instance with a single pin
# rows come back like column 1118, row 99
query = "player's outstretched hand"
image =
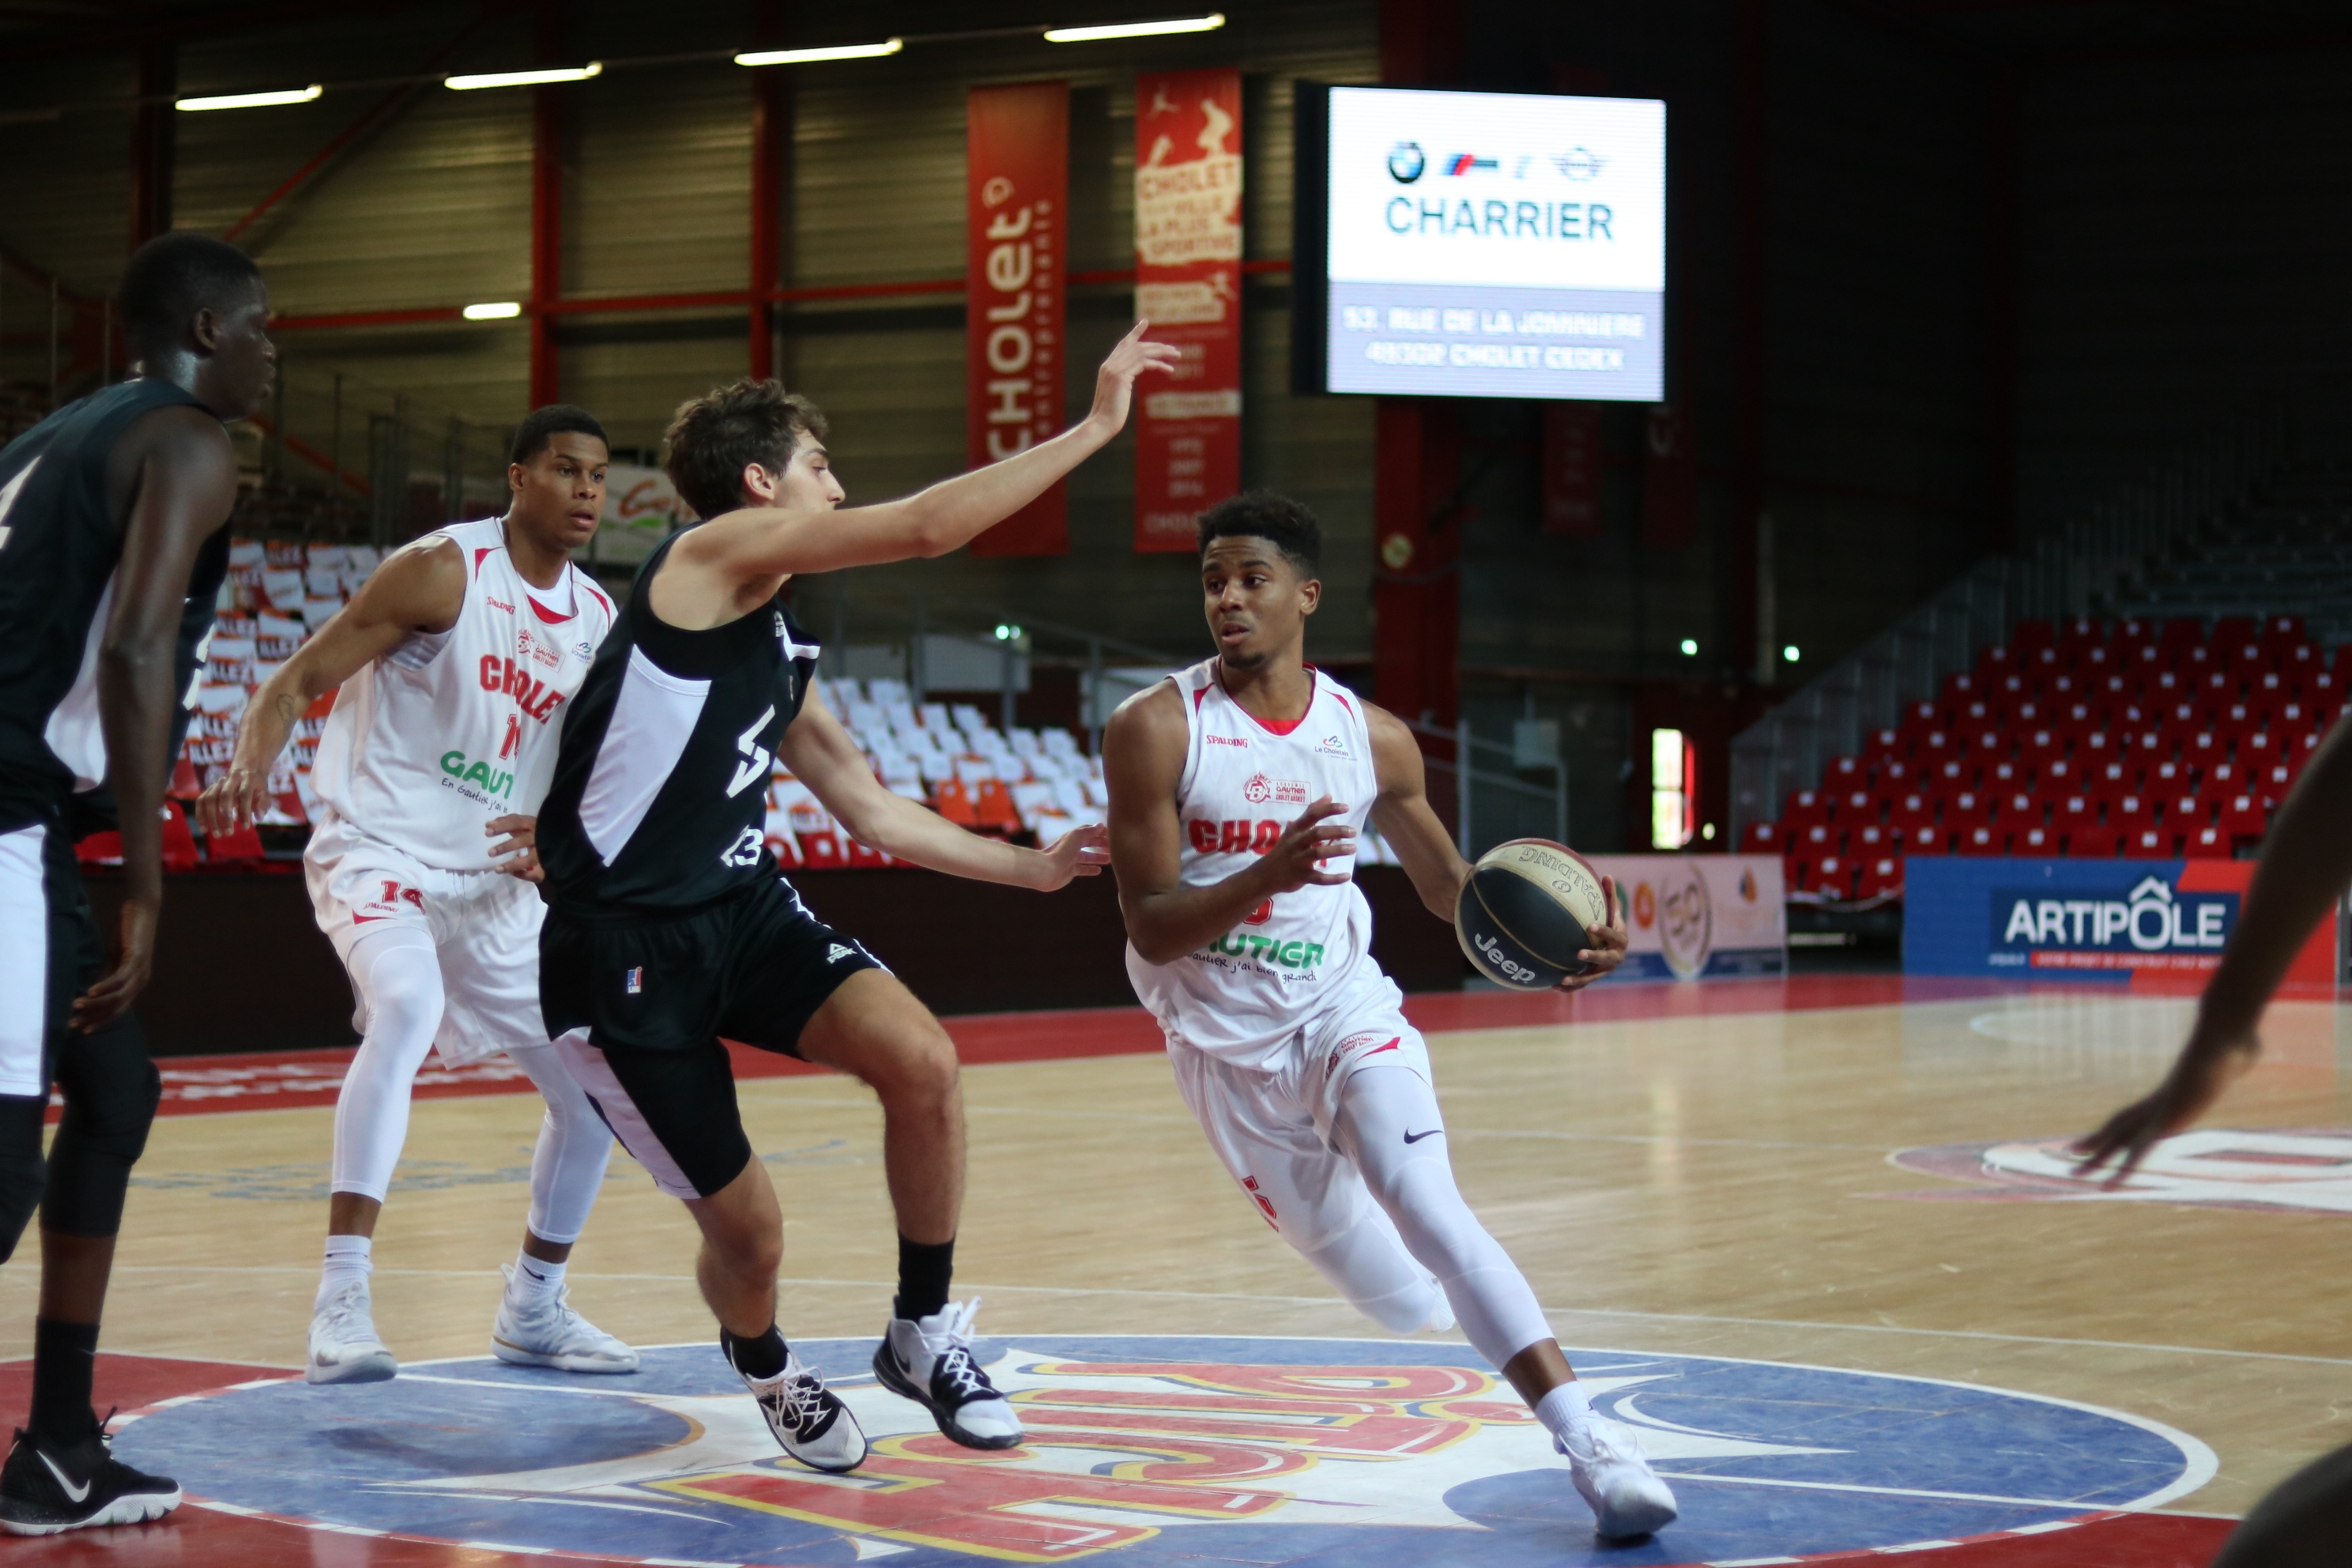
column 2215, row 1055
column 236, row 800
column 1115, row 383
column 1081, row 852
column 1609, row 941
column 521, row 841
column 120, row 987
column 1296, row 858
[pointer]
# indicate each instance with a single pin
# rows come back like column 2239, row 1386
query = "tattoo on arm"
column 288, row 708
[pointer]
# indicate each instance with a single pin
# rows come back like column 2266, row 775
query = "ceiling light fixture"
column 1208, row 23
column 830, row 52
column 524, row 79
column 248, row 100
column 498, row 310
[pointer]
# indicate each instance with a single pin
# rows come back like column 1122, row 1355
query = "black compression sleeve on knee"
column 20, row 1166
column 110, row 1090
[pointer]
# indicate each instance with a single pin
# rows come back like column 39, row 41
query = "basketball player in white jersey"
column 1237, row 789
column 455, row 661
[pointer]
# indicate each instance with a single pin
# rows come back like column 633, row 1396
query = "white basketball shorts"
column 483, row 924
column 1272, row 1126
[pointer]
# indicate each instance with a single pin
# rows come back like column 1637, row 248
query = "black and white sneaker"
column 928, row 1359
column 46, row 1489
column 815, row 1427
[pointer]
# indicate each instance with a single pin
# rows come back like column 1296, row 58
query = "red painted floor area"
column 196, row 1086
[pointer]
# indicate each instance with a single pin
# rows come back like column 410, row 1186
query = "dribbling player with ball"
column 1237, row 789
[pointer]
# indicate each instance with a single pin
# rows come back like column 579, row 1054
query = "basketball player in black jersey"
column 670, row 928
column 112, row 549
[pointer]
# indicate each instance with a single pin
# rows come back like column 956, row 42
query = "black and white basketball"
column 1524, row 913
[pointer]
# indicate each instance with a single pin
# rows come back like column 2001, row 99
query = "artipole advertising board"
column 2134, row 922
column 1017, row 150
column 1700, row 917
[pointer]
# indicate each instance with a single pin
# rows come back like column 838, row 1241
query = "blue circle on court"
column 1158, row 1452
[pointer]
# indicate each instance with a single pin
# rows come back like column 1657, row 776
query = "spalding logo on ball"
column 1525, row 912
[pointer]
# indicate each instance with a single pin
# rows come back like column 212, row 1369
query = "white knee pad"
column 567, row 1167
column 398, row 977
column 1369, row 1265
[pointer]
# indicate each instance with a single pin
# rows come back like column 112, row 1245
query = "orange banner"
column 1188, row 276
column 1017, row 152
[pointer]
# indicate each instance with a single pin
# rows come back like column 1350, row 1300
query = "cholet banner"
column 1700, row 917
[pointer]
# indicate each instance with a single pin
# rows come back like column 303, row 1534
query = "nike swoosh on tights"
column 363, row 919
column 78, row 1493
column 1417, row 1137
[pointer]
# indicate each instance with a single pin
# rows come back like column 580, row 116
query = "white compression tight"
column 398, row 976
column 1413, row 1184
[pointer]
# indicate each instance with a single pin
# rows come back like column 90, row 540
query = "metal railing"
column 1468, row 778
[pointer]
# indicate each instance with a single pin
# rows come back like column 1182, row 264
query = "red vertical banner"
column 1017, row 156
column 1188, row 276
column 1669, row 478
column 1571, row 468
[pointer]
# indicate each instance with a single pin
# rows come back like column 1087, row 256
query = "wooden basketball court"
column 1704, row 1173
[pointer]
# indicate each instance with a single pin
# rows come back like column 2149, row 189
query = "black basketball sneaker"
column 928, row 1359
column 814, row 1426
column 47, row 1488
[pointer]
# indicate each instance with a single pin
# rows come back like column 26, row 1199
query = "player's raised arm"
column 418, row 589
column 2305, row 864
column 1143, row 757
column 823, row 756
column 761, row 542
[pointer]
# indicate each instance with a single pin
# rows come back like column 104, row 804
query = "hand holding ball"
column 1525, row 910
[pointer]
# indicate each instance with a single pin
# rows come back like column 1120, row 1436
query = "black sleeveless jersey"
column 658, row 804
column 58, row 550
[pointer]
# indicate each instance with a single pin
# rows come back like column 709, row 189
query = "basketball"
column 1524, row 913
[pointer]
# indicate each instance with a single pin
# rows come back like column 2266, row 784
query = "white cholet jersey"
column 451, row 729
column 1245, row 996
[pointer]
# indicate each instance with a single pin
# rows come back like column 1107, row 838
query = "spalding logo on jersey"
column 1149, row 1452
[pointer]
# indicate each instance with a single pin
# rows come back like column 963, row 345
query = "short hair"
column 713, row 438
column 542, row 424
column 173, row 275
column 1285, row 524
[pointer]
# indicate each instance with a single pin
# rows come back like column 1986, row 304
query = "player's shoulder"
column 426, row 575
column 179, row 435
column 1151, row 717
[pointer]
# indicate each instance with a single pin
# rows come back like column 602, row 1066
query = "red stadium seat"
column 1910, row 812
column 2151, row 844
column 1816, row 839
column 1929, row 839
column 1884, row 747
column 2091, row 842
column 1833, row 879
column 2059, row 776
column 1952, row 773
column 2006, row 775
column 1845, row 774
column 2243, row 820
column 1796, row 873
column 828, row 846
column 1983, row 839
column 100, row 849
column 1965, row 810
column 1892, row 778
column 784, row 848
column 1880, row 878
column 1856, row 805
column 1760, row 838
column 2274, row 782
column 2207, row 843
column 2036, row 842
column 2231, row 630
column 954, row 801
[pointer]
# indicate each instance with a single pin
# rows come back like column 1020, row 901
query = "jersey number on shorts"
column 757, row 759
column 744, row 851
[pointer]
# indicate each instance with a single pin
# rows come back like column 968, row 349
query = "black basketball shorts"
column 639, row 1011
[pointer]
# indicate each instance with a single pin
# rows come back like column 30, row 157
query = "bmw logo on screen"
column 1406, row 161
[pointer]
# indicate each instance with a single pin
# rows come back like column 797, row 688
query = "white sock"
column 1567, row 1414
column 535, row 1280
column 349, row 1261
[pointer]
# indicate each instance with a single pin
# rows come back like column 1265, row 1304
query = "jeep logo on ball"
column 1504, row 961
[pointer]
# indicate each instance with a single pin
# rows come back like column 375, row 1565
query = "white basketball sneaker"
column 343, row 1343
column 814, row 1427
column 546, row 1332
column 1627, row 1497
column 929, row 1360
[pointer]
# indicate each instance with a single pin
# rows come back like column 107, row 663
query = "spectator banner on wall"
column 2135, row 923
column 1571, row 470
column 1188, row 276
column 642, row 508
column 1669, row 478
column 1017, row 154
column 1700, row 917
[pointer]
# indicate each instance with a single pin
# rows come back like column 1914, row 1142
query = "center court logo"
column 1164, row 1452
